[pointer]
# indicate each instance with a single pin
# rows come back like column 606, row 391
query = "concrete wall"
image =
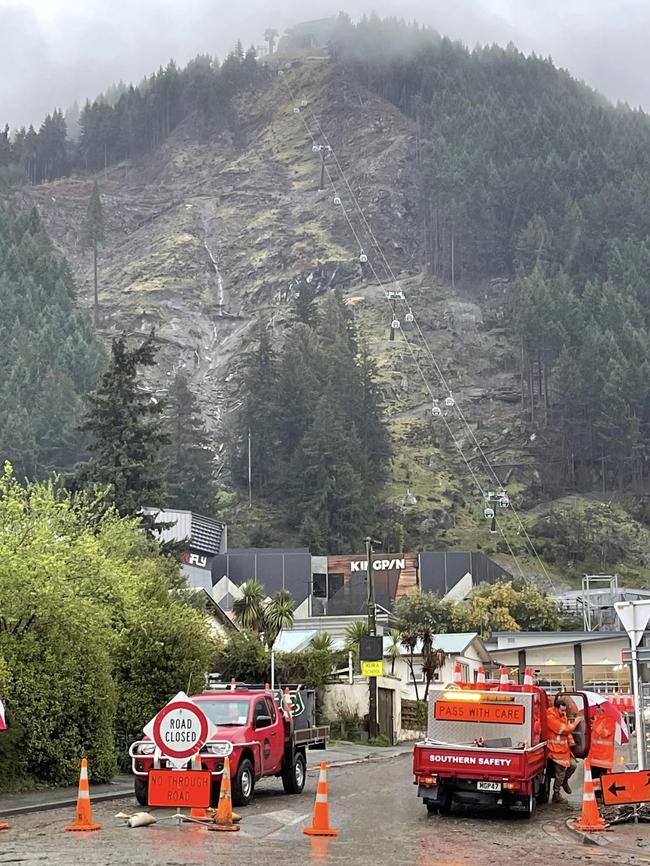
column 355, row 697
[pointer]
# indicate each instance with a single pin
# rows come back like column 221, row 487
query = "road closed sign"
column 180, row 729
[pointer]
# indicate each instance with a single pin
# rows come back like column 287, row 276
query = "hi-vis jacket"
column 603, row 732
column 560, row 739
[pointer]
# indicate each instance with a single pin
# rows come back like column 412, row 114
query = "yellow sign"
column 372, row 669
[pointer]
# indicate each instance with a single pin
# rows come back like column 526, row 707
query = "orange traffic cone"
column 320, row 824
column 83, row 818
column 504, row 682
column 590, row 818
column 528, row 680
column 198, row 813
column 223, row 820
column 458, row 676
column 3, row 826
column 480, row 677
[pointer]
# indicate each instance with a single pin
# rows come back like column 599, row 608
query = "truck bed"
column 449, row 760
column 312, row 736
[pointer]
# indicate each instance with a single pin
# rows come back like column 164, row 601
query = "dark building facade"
column 337, row 585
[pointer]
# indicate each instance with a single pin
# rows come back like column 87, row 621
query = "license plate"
column 488, row 786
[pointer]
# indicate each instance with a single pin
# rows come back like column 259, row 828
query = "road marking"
column 293, row 823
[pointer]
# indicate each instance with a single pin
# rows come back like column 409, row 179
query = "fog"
column 55, row 51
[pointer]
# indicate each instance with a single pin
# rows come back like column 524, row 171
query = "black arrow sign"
column 614, row 788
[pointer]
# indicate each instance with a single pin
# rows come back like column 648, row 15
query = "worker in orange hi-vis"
column 559, row 746
column 601, row 751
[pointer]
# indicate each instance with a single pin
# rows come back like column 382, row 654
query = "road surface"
column 373, row 805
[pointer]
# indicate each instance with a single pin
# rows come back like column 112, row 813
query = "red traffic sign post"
column 180, row 730
column 620, row 788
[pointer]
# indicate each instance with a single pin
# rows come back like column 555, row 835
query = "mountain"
column 504, row 200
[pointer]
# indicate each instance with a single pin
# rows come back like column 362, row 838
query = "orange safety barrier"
column 320, row 825
column 457, row 678
column 504, row 681
column 590, row 819
column 83, row 818
column 223, row 820
column 480, row 677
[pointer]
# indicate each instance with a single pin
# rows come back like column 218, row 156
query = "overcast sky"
column 55, row 51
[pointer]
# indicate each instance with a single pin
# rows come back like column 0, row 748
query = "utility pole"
column 372, row 630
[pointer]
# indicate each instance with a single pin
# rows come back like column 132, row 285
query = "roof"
column 289, row 641
column 535, row 639
column 451, row 644
column 297, row 640
column 215, row 610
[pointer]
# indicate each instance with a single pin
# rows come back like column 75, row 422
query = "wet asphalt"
column 373, row 805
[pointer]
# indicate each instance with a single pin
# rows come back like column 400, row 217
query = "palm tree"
column 432, row 660
column 321, row 642
column 394, row 652
column 410, row 640
column 353, row 634
column 278, row 614
column 249, row 609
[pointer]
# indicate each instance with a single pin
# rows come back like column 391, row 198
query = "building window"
column 319, row 586
column 335, row 584
column 417, row 675
column 554, row 678
column 464, row 673
column 606, row 679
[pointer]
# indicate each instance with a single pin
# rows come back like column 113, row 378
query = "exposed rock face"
column 207, row 235
column 211, row 233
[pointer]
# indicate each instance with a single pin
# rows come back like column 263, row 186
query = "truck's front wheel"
column 243, row 784
column 294, row 775
column 141, row 788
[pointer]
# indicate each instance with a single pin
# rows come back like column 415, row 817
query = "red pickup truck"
column 488, row 747
column 257, row 729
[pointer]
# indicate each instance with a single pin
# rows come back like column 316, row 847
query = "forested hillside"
column 529, row 172
column 509, row 201
column 49, row 356
column 140, row 118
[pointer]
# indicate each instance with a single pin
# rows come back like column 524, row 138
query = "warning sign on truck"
column 464, row 711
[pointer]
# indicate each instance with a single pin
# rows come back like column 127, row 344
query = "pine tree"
column 190, row 476
column 126, row 432
column 256, row 420
column 94, row 235
column 328, row 488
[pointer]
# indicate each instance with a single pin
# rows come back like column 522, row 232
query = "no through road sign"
column 180, row 729
column 170, row 788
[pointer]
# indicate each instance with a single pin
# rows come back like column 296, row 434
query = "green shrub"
column 95, row 634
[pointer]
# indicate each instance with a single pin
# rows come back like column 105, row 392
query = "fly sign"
column 180, row 730
column 377, row 564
